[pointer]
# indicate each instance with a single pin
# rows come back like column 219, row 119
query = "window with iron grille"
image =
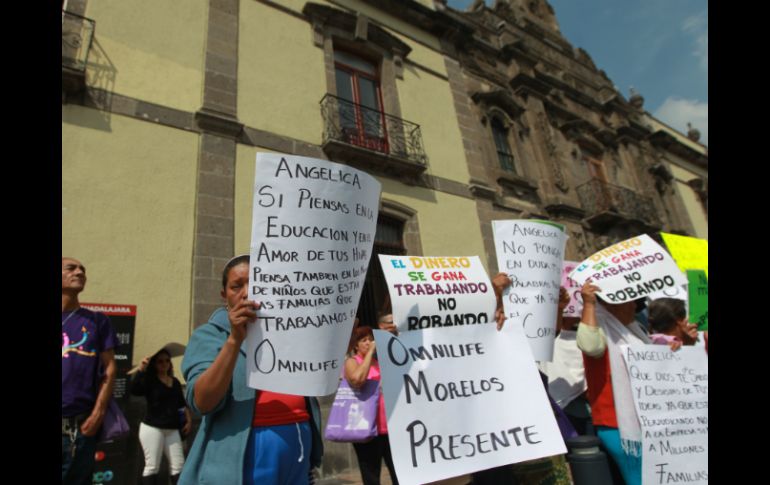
column 504, row 154
column 361, row 114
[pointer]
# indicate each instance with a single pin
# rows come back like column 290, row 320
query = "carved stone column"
column 214, row 209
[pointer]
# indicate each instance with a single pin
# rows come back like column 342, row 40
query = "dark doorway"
column 374, row 298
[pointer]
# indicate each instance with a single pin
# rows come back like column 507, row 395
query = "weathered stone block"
column 222, row 98
column 215, row 226
column 218, row 145
column 216, row 185
column 223, row 19
column 221, row 82
column 222, row 65
column 215, row 206
column 209, row 245
column 217, row 164
column 226, row 6
column 202, row 267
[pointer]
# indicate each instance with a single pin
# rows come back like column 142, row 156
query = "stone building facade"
column 547, row 135
column 681, row 169
column 464, row 117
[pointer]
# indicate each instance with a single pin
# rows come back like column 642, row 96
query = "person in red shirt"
column 603, row 329
column 247, row 436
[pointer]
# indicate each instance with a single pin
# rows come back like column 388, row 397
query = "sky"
column 660, row 47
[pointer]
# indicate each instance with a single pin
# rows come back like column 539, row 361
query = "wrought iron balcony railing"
column 599, row 197
column 76, row 35
column 357, row 125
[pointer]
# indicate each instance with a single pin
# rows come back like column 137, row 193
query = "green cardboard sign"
column 698, row 295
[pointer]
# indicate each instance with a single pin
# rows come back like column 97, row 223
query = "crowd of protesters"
column 250, row 436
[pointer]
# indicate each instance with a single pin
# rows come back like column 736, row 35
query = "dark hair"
column 570, row 323
column 151, row 365
column 664, row 313
column 359, row 333
column 641, row 304
column 243, row 258
column 387, row 306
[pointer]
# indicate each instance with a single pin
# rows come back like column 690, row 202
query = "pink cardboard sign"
column 575, row 306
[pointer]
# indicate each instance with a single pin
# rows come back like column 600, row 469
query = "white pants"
column 156, row 442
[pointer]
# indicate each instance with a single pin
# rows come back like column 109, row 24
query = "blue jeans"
column 77, row 469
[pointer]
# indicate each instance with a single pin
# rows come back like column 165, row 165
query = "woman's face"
column 624, row 312
column 162, row 364
column 237, row 284
column 687, row 335
column 362, row 347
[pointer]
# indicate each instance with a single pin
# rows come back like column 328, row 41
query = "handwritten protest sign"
column 312, row 234
column 688, row 252
column 670, row 392
column 429, row 292
column 575, row 306
column 460, row 400
column 678, row 292
column 531, row 253
column 698, row 298
column 630, row 270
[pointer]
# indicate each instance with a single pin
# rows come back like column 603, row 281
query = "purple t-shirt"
column 85, row 334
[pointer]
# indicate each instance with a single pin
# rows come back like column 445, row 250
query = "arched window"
column 504, row 154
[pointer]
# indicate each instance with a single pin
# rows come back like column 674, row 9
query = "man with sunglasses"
column 88, row 343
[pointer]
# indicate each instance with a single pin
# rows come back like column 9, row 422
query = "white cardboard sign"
column 460, row 400
column 428, row 292
column 678, row 292
column 531, row 253
column 629, row 270
column 311, row 241
column 670, row 392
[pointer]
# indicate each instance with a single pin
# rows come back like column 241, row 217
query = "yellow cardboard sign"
column 688, row 252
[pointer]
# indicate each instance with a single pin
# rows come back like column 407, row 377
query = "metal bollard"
column 588, row 463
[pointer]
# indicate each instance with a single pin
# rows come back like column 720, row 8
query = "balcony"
column 606, row 205
column 370, row 139
column 76, row 35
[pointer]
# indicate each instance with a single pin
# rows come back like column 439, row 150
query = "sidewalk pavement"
column 354, row 478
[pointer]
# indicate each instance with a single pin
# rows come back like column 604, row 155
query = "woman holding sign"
column 668, row 322
column 601, row 332
column 359, row 368
column 247, row 436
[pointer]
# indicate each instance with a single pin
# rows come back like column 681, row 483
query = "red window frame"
column 361, row 137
